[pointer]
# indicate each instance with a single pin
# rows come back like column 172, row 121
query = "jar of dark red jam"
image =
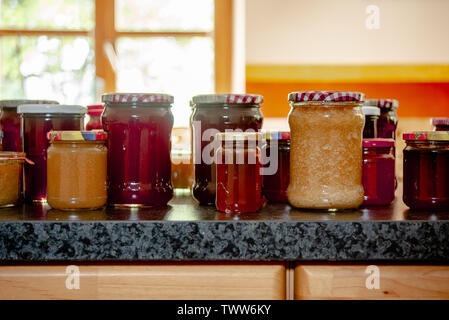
column 10, row 122
column 37, row 121
column 440, row 124
column 426, row 170
column 94, row 113
column 212, row 114
column 277, row 156
column 378, row 171
column 388, row 119
column 371, row 117
column 239, row 172
column 139, row 167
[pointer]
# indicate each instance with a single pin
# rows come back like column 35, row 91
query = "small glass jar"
column 10, row 122
column 326, row 150
column 239, row 172
column 371, row 117
column 388, row 119
column 139, row 129
column 94, row 113
column 440, row 124
column 37, row 121
column 378, row 171
column 76, row 170
column 11, row 176
column 212, row 114
column 275, row 184
column 426, row 170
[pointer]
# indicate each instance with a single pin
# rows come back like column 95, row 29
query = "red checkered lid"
column 383, row 103
column 137, row 97
column 95, row 110
column 326, row 96
column 440, row 121
column 227, row 99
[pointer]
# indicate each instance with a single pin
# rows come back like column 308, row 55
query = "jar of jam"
column 76, row 170
column 11, row 169
column 277, row 150
column 426, row 170
column 371, row 117
column 388, row 119
column 10, row 122
column 378, row 171
column 440, row 124
column 94, row 112
column 139, row 168
column 212, row 114
column 239, row 172
column 37, row 121
column 326, row 150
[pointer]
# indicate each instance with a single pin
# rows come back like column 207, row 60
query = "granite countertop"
column 186, row 231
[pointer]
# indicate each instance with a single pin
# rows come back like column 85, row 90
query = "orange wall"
column 415, row 99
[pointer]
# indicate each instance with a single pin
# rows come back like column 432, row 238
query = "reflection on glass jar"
column 11, row 168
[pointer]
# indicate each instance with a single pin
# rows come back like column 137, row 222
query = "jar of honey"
column 326, row 150
column 11, row 168
column 77, row 170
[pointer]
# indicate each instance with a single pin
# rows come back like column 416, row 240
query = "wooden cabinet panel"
column 174, row 281
column 350, row 282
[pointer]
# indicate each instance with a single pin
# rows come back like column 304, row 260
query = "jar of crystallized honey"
column 77, row 170
column 11, row 167
column 326, row 150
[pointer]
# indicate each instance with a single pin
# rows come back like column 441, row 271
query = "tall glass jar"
column 326, row 150
column 10, row 122
column 388, row 119
column 139, row 168
column 37, row 121
column 94, row 113
column 426, row 170
column 212, row 114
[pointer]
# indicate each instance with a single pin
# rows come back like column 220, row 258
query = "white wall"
column 334, row 32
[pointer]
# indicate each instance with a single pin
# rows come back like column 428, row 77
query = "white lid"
column 371, row 111
column 51, row 108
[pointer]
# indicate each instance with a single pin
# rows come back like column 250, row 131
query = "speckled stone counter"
column 186, row 231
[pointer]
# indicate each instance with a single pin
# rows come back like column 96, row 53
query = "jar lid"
column 227, row 99
column 94, row 135
column 239, row 136
column 51, row 108
column 95, row 110
column 377, row 143
column 326, row 96
column 16, row 103
column 137, row 97
column 371, row 111
column 277, row 135
column 440, row 121
column 426, row 136
column 383, row 103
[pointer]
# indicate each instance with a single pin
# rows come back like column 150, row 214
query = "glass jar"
column 371, row 117
column 84, row 185
column 440, row 124
column 10, row 122
column 426, row 170
column 94, row 112
column 37, row 121
column 11, row 176
column 139, row 168
column 275, row 185
column 239, row 172
column 212, row 114
column 378, row 171
column 388, row 119
column 326, row 150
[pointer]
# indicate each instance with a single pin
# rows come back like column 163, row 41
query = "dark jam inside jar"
column 426, row 175
column 139, row 165
column 10, row 124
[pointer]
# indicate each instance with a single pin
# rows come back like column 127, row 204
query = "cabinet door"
column 156, row 281
column 371, row 282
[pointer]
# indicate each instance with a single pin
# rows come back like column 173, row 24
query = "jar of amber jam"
column 276, row 158
column 211, row 114
column 10, row 122
column 239, row 172
column 440, row 124
column 76, row 170
column 326, row 150
column 37, row 121
column 388, row 119
column 94, row 113
column 378, row 171
column 139, row 127
column 426, row 170
column 11, row 168
column 371, row 117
